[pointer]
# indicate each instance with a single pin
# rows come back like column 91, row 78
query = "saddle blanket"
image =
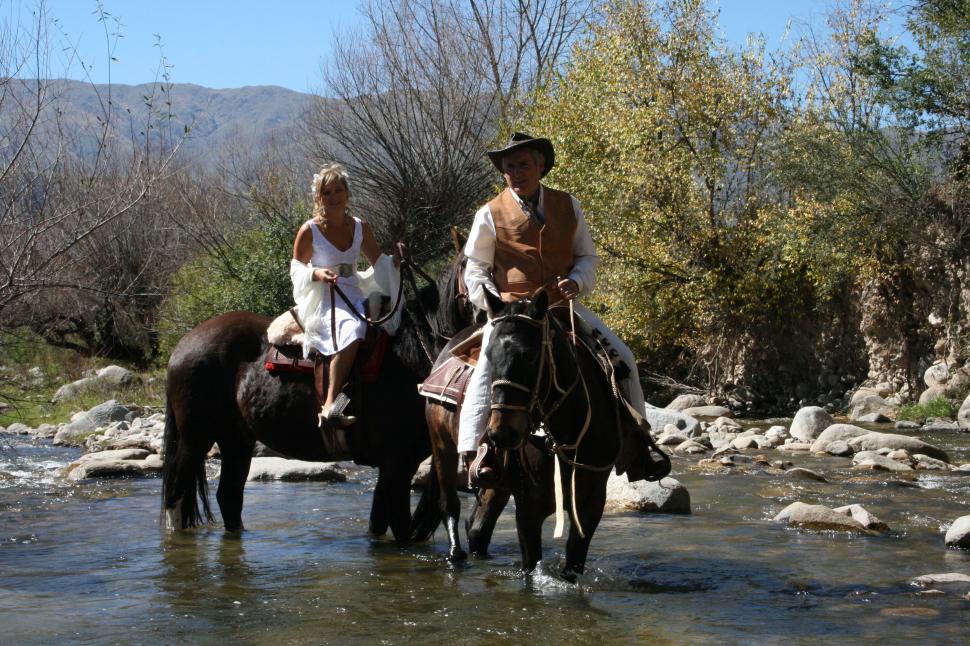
column 289, row 358
column 448, row 381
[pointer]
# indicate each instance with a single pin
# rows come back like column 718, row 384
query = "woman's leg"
column 340, row 365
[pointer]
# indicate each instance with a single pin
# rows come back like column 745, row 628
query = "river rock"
column 804, row 474
column 83, row 424
column 876, row 462
column 809, row 422
column 791, row 446
column 683, row 402
column 691, row 447
column 942, row 578
column 115, row 454
column 859, row 395
column 939, row 424
column 668, row 496
column 18, row 428
column 742, row 443
column 294, row 470
column 71, row 390
column 958, row 535
column 109, row 376
column 819, row 518
column 839, row 448
column 863, row 517
column 873, row 441
column 708, row 411
column 726, row 424
column 837, row 432
column 906, row 425
column 874, row 418
column 963, row 417
column 660, row 417
column 672, row 438
column 105, row 468
column 872, row 404
column 927, row 463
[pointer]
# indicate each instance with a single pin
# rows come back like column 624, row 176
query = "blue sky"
column 231, row 44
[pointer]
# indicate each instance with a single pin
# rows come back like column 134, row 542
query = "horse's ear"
column 457, row 239
column 496, row 306
column 540, row 305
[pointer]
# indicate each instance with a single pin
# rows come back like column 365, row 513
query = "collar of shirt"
column 539, row 213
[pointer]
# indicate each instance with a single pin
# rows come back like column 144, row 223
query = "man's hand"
column 324, row 275
column 568, row 289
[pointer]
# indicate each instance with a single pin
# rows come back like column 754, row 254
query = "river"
column 87, row 563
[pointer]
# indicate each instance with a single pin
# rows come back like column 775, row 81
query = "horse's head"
column 516, row 353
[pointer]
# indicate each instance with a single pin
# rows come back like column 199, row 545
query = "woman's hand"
column 324, row 275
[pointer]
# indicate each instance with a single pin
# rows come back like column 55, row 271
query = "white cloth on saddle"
column 474, row 414
column 313, row 297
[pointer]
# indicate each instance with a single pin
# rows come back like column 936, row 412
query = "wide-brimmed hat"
column 522, row 140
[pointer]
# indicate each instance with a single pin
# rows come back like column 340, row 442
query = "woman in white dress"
column 330, row 244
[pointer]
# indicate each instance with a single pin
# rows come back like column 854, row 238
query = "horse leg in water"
column 392, row 499
column 489, row 504
column 237, row 455
column 590, row 499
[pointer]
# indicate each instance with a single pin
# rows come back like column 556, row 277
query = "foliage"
column 256, row 280
column 941, row 407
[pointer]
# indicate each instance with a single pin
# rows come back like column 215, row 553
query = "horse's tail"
column 183, row 480
column 427, row 515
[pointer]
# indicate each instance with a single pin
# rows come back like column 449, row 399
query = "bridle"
column 542, row 405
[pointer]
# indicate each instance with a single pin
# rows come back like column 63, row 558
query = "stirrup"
column 335, row 416
column 483, row 470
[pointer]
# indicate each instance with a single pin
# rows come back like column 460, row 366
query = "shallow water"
column 88, row 563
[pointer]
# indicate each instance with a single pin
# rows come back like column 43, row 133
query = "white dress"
column 348, row 326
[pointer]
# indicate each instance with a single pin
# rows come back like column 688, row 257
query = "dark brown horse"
column 218, row 392
column 538, row 376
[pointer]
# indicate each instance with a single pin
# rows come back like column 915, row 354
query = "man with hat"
column 527, row 237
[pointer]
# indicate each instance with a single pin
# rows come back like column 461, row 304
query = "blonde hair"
column 327, row 174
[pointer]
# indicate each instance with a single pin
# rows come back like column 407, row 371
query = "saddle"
column 285, row 357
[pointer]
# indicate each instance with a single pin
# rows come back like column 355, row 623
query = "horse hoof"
column 456, row 555
column 569, row 575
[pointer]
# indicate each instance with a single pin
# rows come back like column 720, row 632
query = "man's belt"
column 343, row 270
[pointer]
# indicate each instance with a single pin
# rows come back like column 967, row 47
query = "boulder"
column 925, row 462
column 672, row 439
column 839, row 448
column 932, row 393
column 863, row 517
column 936, row 375
column 875, row 462
column 958, row 535
column 874, row 418
column 906, row 425
column 115, row 376
column 873, row 441
column 18, row 428
column 115, row 454
column 804, row 474
column 942, row 578
column 872, row 404
column 708, row 411
column 963, row 417
column 660, row 417
column 726, row 424
column 742, row 443
column 104, row 468
column 939, row 424
column 819, row 518
column 795, row 446
column 682, row 402
column 690, row 447
column 837, row 432
column 71, row 390
column 809, row 422
column 859, row 395
column 668, row 496
column 294, row 470
column 83, row 424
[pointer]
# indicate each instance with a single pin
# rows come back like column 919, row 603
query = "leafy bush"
column 941, row 407
column 250, row 272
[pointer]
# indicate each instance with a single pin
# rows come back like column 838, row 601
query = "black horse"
column 218, row 391
column 538, row 375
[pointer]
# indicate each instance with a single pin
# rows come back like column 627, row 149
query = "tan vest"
column 528, row 256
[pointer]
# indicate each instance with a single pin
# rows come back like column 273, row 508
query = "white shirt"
column 480, row 249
